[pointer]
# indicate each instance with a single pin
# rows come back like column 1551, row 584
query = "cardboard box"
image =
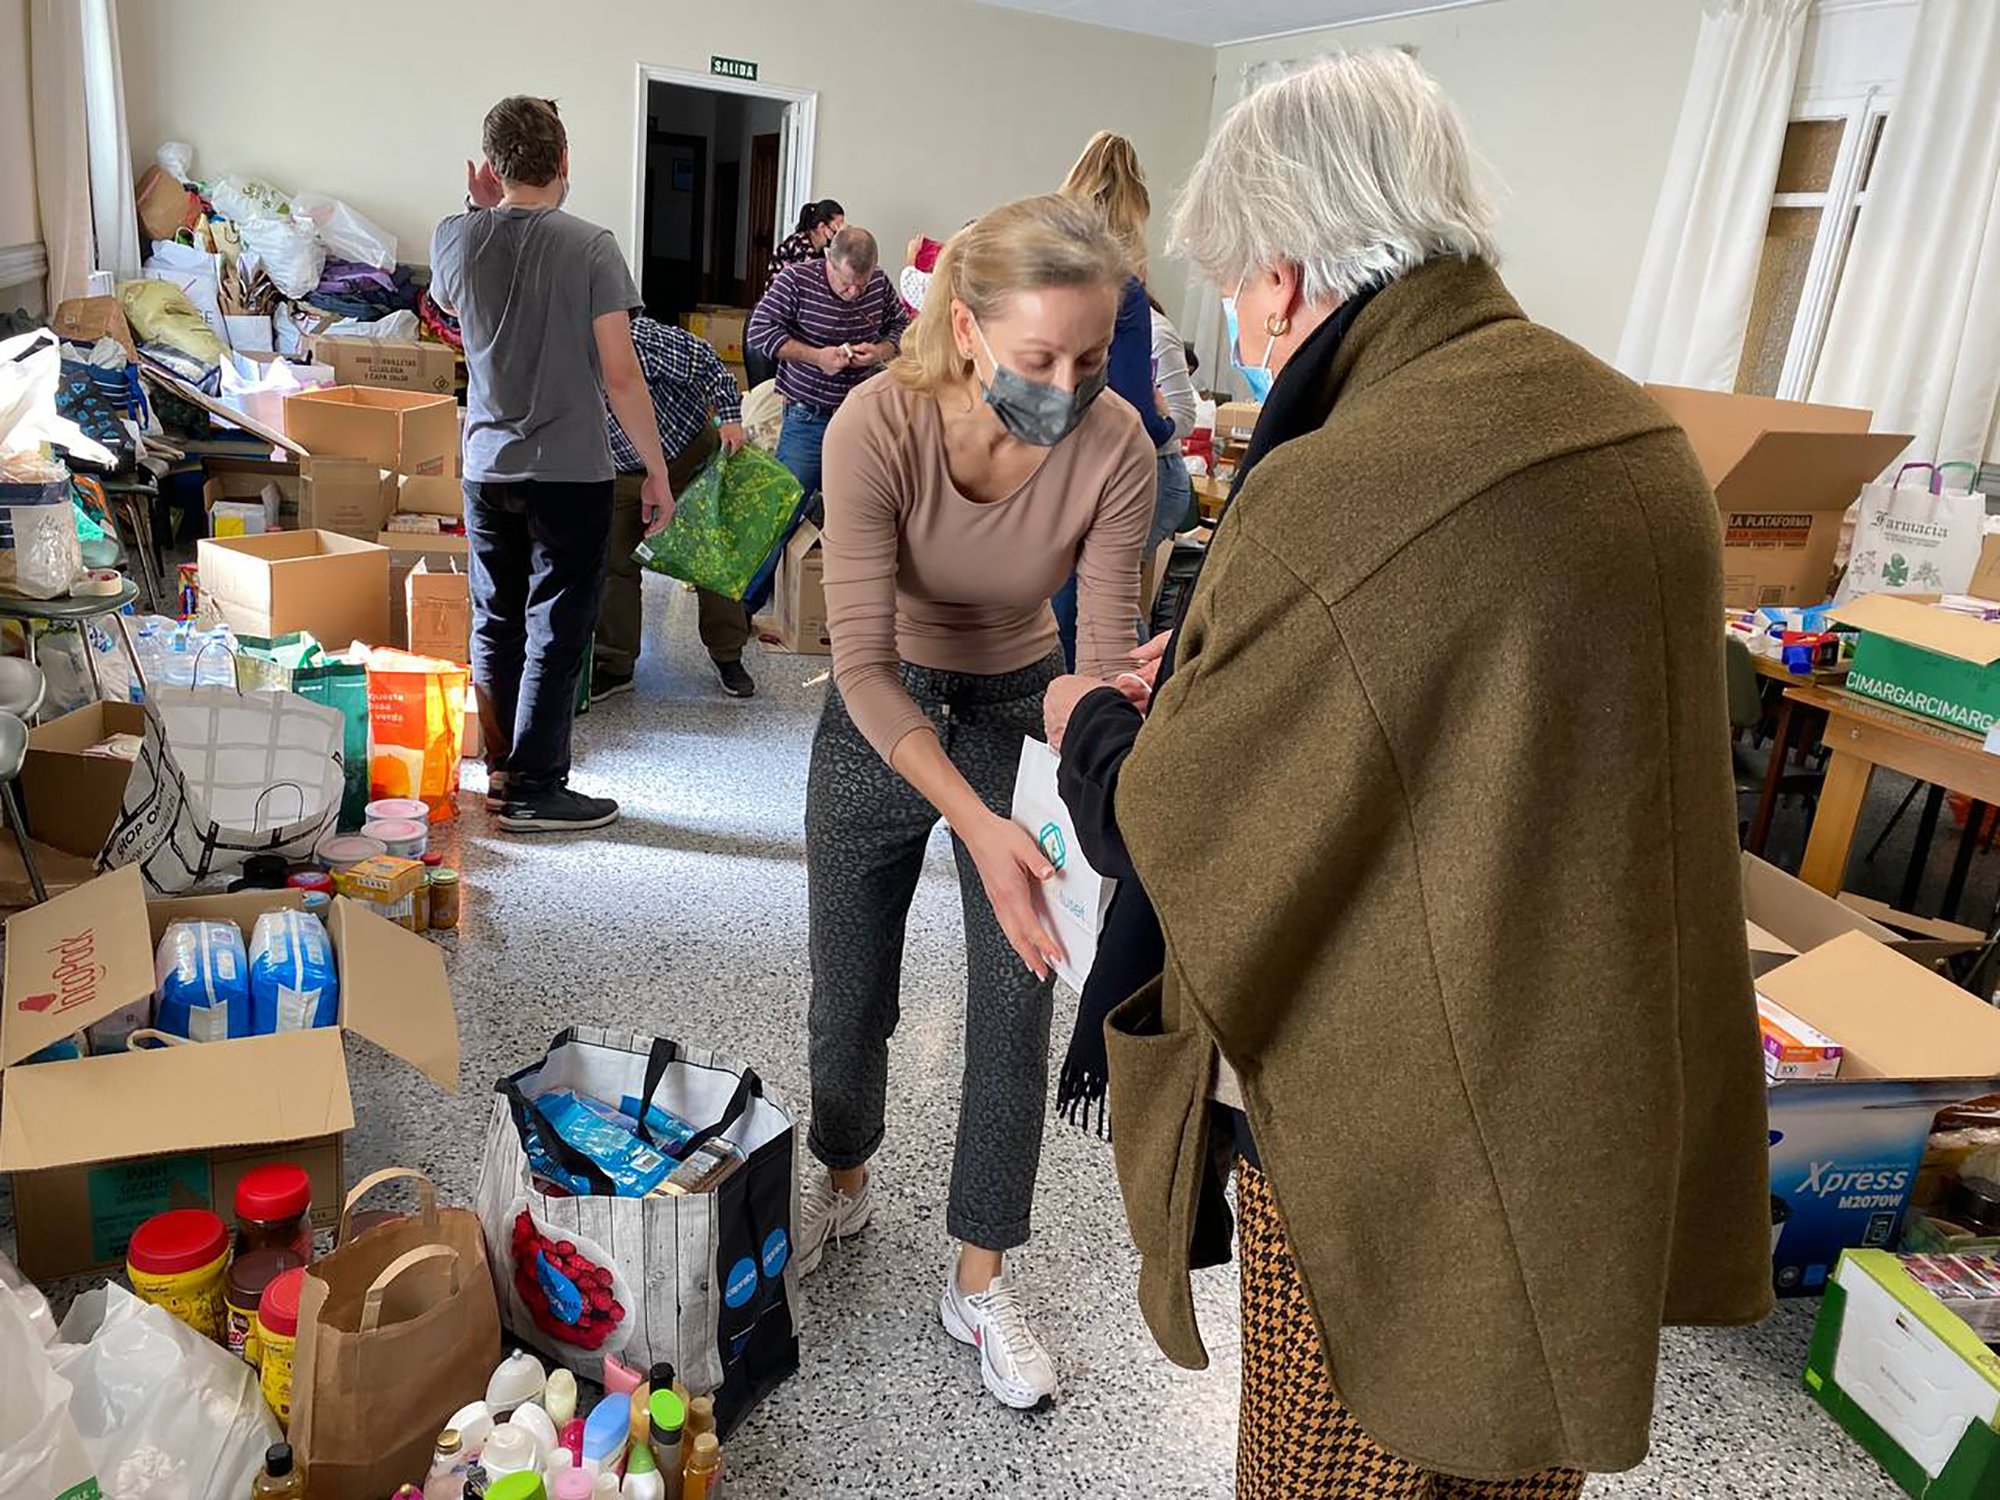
column 427, row 367
column 1925, row 660
column 79, row 957
column 1236, row 420
column 408, row 432
column 438, row 600
column 1792, row 1049
column 799, row 595
column 1784, row 472
column 244, row 479
column 1845, row 1151
column 424, row 494
column 1907, row 1379
column 721, row 328
column 335, row 586
column 72, row 797
column 349, row 496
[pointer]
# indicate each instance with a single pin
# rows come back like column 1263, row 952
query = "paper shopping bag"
column 416, row 709
column 398, row 1328
column 1073, row 902
column 1913, row 539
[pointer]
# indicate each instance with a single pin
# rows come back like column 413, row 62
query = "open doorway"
column 723, row 169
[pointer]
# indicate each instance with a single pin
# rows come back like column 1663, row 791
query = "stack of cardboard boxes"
column 721, row 328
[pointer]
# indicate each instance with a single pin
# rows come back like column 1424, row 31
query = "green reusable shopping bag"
column 295, row 663
column 726, row 524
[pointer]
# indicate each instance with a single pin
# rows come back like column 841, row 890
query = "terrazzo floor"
column 688, row 918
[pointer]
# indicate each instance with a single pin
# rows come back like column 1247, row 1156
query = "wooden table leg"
column 1825, row 864
column 1774, row 774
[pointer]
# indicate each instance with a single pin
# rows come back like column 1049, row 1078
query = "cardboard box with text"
column 421, row 366
column 438, row 601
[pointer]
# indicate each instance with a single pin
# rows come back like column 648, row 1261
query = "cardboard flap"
column 74, row 959
column 1894, row 1018
column 1910, row 924
column 1812, row 471
column 1721, row 425
column 1916, row 620
column 188, row 1098
column 1792, row 912
column 393, row 991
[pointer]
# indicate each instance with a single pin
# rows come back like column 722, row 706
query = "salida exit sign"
column 733, row 67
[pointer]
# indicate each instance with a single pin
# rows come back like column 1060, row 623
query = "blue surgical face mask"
column 1034, row 411
column 1257, row 377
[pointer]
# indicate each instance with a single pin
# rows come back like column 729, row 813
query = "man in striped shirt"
column 830, row 325
column 687, row 381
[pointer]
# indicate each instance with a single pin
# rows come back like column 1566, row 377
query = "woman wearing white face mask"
column 962, row 487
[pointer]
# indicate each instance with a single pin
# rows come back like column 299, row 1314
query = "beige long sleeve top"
column 916, row 572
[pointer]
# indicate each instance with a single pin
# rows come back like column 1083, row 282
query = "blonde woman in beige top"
column 962, row 487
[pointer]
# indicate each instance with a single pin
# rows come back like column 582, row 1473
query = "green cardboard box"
column 1907, row 1379
column 1925, row 660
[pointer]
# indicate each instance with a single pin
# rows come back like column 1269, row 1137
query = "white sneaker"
column 1015, row 1366
column 828, row 1214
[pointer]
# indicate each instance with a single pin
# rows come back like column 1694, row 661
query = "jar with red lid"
column 176, row 1261
column 278, row 1340
column 310, row 880
column 274, row 1210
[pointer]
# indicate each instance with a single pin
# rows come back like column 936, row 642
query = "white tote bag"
column 1911, row 539
column 223, row 775
column 1075, row 900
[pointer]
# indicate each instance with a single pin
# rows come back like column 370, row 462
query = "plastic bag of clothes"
column 245, row 198
column 287, row 250
column 726, row 523
column 349, row 234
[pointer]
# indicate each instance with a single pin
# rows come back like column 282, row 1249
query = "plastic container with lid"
column 403, row 837
column 342, row 851
column 278, row 1339
column 316, row 903
column 509, row 1450
column 274, row 1210
column 176, row 1261
column 444, row 888
column 523, row 1485
column 249, row 1273
column 397, row 809
column 310, row 880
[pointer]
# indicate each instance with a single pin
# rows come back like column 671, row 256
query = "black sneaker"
column 557, row 810
column 605, row 684
column 735, row 679
column 496, row 790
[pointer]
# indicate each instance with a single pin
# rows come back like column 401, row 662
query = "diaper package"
column 204, row 981
column 293, row 984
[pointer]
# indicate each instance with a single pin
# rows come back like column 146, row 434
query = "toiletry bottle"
column 571, row 1438
column 643, row 1480
column 641, row 1423
column 619, row 1377
column 559, row 1397
column 704, row 1469
column 605, row 1432
column 662, row 1378
column 700, row 1419
column 573, row 1484
column 446, row 1480
column 281, row 1480
column 668, row 1419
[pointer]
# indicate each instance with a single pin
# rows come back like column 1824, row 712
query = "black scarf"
column 1130, row 951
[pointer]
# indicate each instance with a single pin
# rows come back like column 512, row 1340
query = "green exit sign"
column 733, row 67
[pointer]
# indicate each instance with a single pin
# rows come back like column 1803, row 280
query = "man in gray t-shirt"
column 544, row 302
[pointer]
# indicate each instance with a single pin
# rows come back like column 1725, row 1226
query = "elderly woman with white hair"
column 1431, row 805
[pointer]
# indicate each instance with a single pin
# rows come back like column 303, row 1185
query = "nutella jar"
column 274, row 1210
column 243, row 1288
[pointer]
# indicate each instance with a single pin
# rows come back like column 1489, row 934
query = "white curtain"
column 1915, row 332
column 1699, row 273
column 83, row 162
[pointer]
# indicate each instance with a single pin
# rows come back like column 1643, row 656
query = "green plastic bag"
column 295, row 663
column 726, row 523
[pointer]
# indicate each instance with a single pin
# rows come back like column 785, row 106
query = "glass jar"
column 274, row 1210
column 444, row 898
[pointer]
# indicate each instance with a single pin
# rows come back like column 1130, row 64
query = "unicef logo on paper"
column 742, row 1283
column 1053, row 844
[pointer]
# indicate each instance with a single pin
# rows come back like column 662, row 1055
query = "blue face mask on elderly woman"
column 1257, row 377
column 1033, row 411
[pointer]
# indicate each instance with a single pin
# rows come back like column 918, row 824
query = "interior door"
column 677, row 175
column 763, row 232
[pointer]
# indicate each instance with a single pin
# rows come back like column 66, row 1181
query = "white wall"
column 20, row 221
column 930, row 110
column 1572, row 104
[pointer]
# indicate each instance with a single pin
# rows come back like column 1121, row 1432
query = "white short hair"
column 1354, row 170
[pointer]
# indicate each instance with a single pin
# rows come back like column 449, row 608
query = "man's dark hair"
column 524, row 139
column 855, row 249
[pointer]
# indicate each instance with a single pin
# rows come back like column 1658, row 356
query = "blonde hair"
column 1047, row 241
column 1355, row 170
column 1108, row 174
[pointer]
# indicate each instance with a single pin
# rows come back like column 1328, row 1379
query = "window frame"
column 1838, row 208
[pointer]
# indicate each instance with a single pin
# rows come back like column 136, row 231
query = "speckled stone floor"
column 688, row 918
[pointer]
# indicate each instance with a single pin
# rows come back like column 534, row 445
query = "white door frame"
column 795, row 142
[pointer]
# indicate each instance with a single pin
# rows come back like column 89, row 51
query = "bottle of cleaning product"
column 667, row 1419
column 643, row 1480
column 281, row 1480
column 704, row 1469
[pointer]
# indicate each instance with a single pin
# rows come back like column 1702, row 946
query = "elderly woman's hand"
column 1066, row 692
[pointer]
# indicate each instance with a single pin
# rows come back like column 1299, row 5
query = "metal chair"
column 22, row 688
column 13, row 752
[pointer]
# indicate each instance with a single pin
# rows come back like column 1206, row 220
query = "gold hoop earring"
column 1277, row 325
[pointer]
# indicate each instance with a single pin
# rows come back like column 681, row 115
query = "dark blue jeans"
column 800, row 441
column 1173, row 496
column 537, row 557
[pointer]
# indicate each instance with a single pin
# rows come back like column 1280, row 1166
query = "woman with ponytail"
column 962, row 487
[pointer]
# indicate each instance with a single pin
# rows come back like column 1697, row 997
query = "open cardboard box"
column 1925, row 660
column 72, row 797
column 82, row 956
column 1845, row 1151
column 1784, row 473
column 424, row 495
column 335, row 586
column 799, row 595
column 409, row 432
